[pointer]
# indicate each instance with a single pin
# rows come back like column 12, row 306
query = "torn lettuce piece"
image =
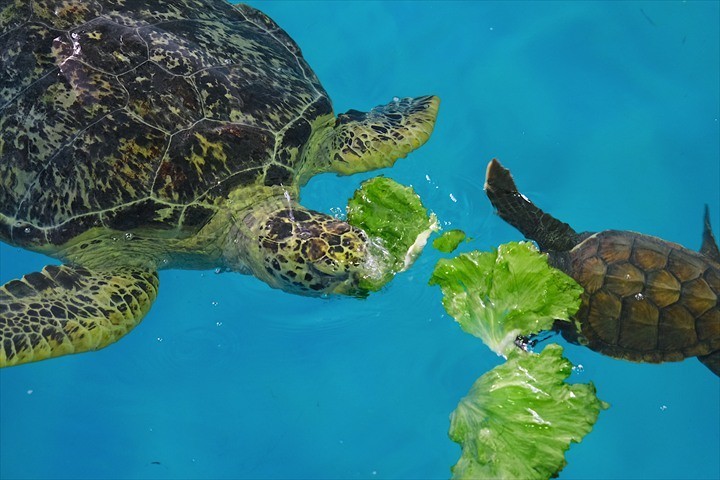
column 502, row 294
column 519, row 418
column 449, row 241
column 396, row 222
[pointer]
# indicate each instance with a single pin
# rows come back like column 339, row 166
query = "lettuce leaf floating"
column 511, row 291
column 449, row 241
column 519, row 418
column 395, row 218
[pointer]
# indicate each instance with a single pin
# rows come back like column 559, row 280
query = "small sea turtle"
column 645, row 299
column 138, row 135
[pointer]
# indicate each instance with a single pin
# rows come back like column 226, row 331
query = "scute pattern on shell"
column 131, row 114
column 646, row 299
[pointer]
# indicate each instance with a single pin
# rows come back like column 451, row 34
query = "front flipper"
column 66, row 309
column 517, row 210
column 362, row 141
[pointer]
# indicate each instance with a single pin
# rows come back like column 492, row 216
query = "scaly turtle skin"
column 645, row 299
column 139, row 135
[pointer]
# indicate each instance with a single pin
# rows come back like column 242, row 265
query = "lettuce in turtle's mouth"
column 397, row 225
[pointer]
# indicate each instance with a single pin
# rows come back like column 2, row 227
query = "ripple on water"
column 211, row 346
column 319, row 316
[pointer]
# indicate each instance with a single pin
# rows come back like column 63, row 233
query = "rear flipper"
column 66, row 309
column 709, row 246
column 712, row 361
column 710, row 249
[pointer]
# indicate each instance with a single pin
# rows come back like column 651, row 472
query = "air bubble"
column 27, row 230
column 578, row 369
column 218, row 324
column 396, row 99
column 214, row 304
column 159, row 339
column 663, row 408
column 29, row 392
column 452, row 197
column 338, row 212
column 128, row 236
column 639, row 296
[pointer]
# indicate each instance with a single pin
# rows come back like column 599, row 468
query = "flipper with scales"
column 363, row 141
column 66, row 309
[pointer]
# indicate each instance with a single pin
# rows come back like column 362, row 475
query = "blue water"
column 607, row 113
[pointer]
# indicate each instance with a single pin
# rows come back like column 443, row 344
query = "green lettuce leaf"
column 449, row 241
column 395, row 220
column 511, row 291
column 519, row 418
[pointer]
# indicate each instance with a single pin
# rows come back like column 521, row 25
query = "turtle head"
column 303, row 251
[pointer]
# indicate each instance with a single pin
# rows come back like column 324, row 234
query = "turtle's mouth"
column 397, row 225
column 310, row 253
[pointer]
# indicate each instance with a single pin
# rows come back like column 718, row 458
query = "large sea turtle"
column 645, row 299
column 137, row 135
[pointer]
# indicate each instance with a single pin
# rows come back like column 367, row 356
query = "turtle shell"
column 646, row 299
column 132, row 114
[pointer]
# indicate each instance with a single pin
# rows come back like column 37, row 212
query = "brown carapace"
column 645, row 299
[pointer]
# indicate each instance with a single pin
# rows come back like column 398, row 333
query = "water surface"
column 607, row 113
